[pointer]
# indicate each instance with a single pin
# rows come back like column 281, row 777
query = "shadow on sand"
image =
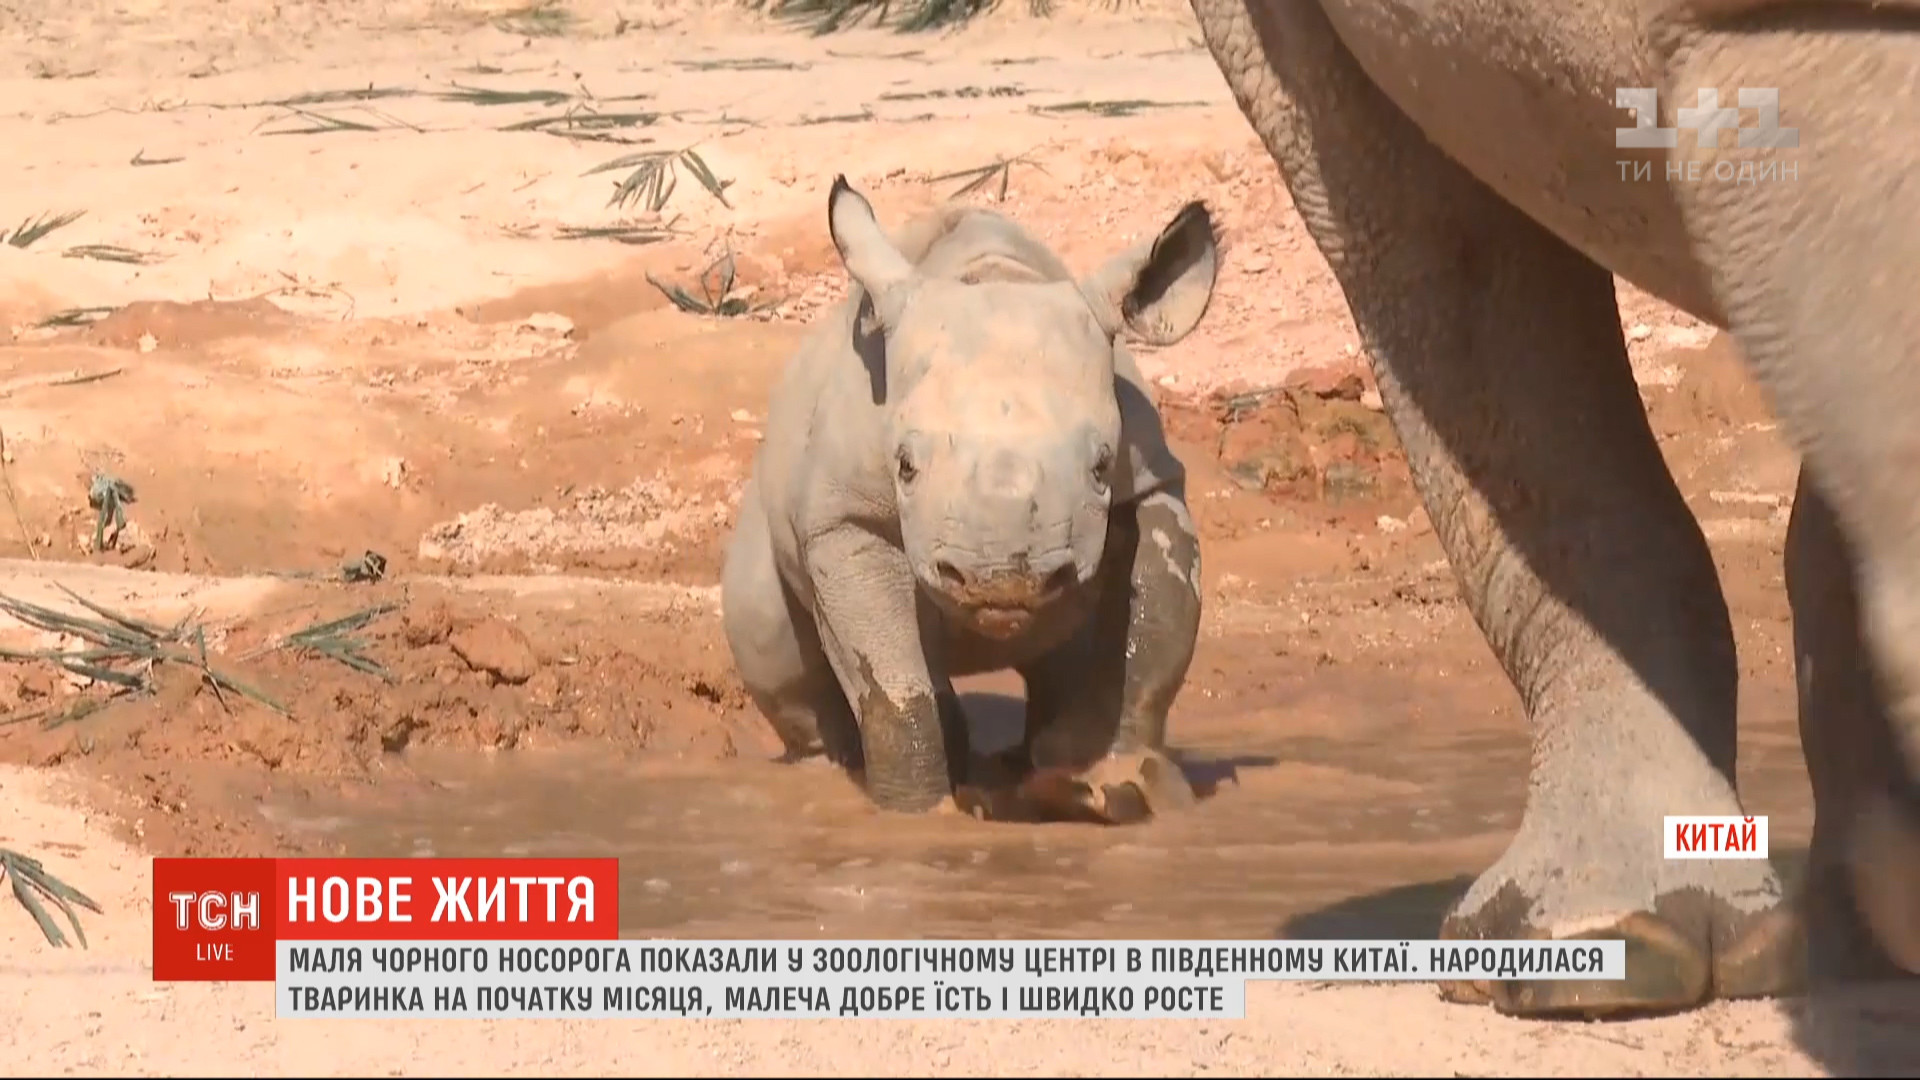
column 997, row 721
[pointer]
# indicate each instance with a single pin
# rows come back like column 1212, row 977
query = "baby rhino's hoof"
column 1120, row 789
column 991, row 791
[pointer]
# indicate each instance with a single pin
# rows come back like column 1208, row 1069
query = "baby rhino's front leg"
column 1097, row 708
column 866, row 606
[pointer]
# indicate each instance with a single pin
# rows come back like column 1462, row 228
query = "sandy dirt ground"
column 352, row 288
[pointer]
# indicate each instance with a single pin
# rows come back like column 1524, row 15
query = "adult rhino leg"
column 1097, row 706
column 1812, row 263
column 1500, row 358
column 777, row 650
column 1844, row 731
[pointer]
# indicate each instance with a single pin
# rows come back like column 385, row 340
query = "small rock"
column 1640, row 332
column 148, row 343
column 1688, row 337
column 1387, row 523
column 1344, row 480
column 497, row 648
column 549, row 322
column 1256, row 264
column 1371, row 399
column 1747, row 497
column 1329, row 383
column 742, row 416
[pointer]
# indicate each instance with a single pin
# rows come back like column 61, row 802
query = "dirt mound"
column 600, row 528
column 494, row 665
column 1321, row 437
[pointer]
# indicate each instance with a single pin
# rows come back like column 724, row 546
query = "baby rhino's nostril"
column 949, row 574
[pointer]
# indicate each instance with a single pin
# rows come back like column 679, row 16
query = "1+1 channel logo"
column 1708, row 119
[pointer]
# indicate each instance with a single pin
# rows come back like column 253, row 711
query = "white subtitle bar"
column 875, row 979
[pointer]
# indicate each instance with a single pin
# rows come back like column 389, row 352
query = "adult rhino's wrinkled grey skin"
column 963, row 472
column 1456, row 163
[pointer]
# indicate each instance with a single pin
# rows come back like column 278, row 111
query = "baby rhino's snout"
column 1020, row 554
column 1022, row 580
column 1002, row 597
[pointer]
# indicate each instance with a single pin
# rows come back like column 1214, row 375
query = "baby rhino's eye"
column 903, row 464
column 1103, row 468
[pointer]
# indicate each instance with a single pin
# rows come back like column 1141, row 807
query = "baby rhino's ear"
column 1159, row 291
column 870, row 258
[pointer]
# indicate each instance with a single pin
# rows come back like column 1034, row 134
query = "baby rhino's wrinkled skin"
column 963, row 472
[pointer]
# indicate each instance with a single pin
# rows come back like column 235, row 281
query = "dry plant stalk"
column 31, row 882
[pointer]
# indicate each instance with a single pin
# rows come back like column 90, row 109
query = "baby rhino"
column 963, row 473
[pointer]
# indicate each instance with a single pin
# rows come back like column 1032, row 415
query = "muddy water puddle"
column 1317, row 826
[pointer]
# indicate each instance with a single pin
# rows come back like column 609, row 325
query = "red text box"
column 213, row 920
column 447, row 899
column 218, row 919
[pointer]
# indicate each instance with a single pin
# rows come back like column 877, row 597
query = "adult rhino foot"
column 1840, row 947
column 1120, row 789
column 1885, row 865
column 1695, row 930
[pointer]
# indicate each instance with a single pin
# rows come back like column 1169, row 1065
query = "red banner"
column 218, row 919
